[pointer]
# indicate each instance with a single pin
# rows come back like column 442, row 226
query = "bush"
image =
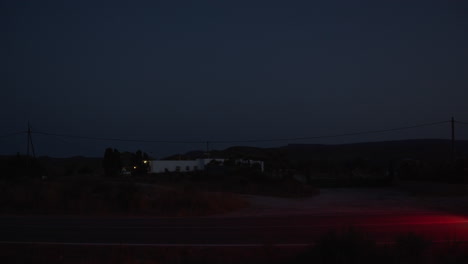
column 86, row 195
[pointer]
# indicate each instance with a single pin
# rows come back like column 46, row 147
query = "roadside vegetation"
column 92, row 195
column 239, row 181
column 81, row 186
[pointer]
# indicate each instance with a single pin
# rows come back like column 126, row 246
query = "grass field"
column 98, row 196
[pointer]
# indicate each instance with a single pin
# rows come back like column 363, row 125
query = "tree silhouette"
column 140, row 163
column 112, row 163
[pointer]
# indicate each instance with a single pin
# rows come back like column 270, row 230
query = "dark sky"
column 228, row 70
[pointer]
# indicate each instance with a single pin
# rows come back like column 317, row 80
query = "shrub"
column 94, row 196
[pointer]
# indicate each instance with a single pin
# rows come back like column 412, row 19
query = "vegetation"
column 112, row 163
column 241, row 180
column 97, row 196
column 19, row 166
column 361, row 164
column 76, row 185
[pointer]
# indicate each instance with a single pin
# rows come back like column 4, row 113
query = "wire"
column 13, row 134
column 338, row 135
column 113, row 139
column 244, row 141
column 462, row 123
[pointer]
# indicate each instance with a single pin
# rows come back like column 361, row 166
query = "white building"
column 159, row 166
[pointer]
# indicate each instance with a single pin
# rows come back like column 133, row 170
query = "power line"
column 13, row 134
column 114, row 139
column 462, row 123
column 245, row 141
column 339, row 135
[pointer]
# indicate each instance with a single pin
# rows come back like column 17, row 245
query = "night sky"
column 228, row 70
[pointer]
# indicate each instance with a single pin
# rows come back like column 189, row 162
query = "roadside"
column 107, row 197
column 388, row 200
column 103, row 197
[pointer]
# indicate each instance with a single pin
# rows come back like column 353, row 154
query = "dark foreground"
column 351, row 251
column 339, row 238
column 215, row 231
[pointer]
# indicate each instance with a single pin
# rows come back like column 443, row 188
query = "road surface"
column 225, row 231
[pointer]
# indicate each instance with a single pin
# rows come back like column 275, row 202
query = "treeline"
column 112, row 164
column 20, row 166
column 115, row 163
column 358, row 168
column 370, row 170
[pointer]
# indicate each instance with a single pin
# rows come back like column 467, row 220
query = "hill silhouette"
column 423, row 149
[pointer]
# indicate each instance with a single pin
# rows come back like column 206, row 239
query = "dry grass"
column 88, row 196
column 235, row 184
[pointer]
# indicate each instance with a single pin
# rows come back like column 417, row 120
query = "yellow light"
column 145, row 161
column 134, row 167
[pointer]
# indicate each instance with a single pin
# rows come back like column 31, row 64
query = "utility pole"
column 30, row 142
column 30, row 146
column 453, row 138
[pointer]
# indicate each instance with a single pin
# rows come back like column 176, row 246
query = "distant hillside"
column 426, row 149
